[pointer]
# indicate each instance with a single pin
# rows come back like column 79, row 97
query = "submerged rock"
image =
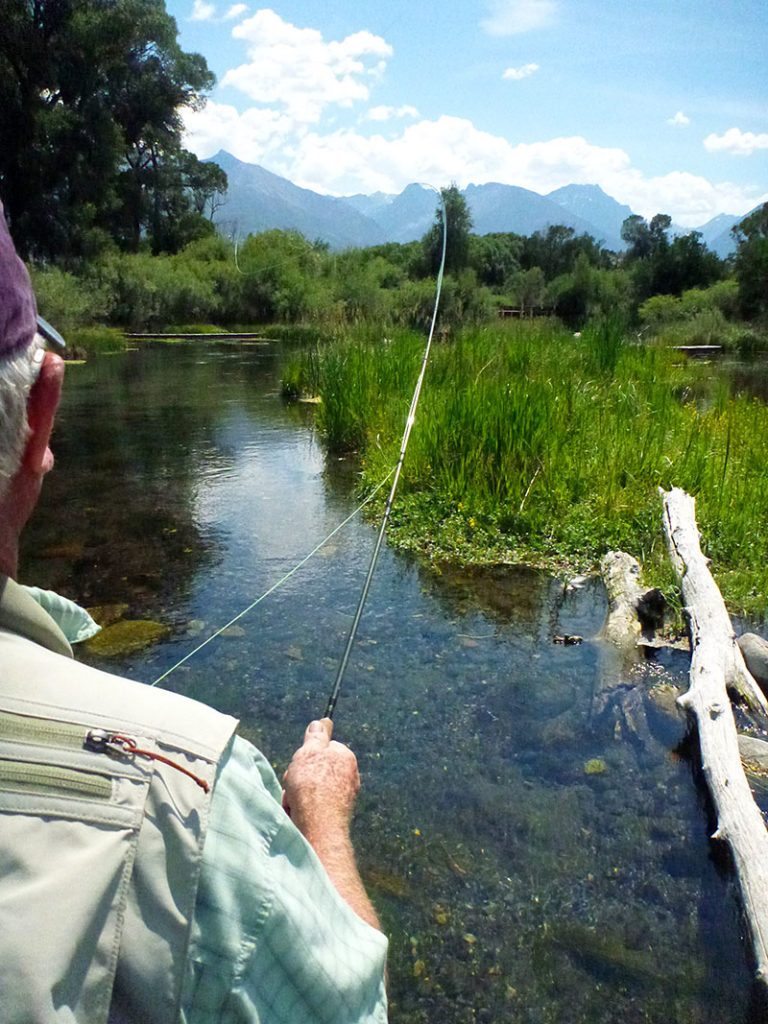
column 604, row 951
column 126, row 637
column 754, row 650
column 388, row 882
column 70, row 551
column 664, row 696
column 107, row 614
column 754, row 756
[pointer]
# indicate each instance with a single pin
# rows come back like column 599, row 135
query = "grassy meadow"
column 534, row 445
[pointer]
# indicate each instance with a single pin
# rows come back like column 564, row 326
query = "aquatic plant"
column 535, row 444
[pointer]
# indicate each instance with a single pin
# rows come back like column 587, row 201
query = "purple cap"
column 18, row 311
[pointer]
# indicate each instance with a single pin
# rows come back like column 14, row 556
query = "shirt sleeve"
column 272, row 941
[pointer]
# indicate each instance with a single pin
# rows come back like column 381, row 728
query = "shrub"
column 660, row 310
column 750, row 344
column 722, row 296
column 68, row 301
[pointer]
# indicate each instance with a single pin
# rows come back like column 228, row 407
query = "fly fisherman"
column 148, row 872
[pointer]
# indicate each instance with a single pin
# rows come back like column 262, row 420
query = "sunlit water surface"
column 530, row 860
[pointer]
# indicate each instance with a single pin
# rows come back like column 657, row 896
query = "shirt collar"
column 21, row 614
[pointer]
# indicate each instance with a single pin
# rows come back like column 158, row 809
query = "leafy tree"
column 459, row 226
column 90, row 100
column 661, row 267
column 407, row 258
column 572, row 294
column 528, row 289
column 657, row 230
column 206, row 183
column 752, row 262
column 278, row 270
column 612, row 294
column 636, row 233
column 495, row 257
column 557, row 250
column 165, row 197
column 646, row 241
column 688, row 263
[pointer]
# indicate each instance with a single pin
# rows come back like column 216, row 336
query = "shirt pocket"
column 70, row 820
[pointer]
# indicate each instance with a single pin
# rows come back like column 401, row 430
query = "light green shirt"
column 272, row 941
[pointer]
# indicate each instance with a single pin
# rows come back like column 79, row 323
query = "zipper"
column 18, row 728
column 45, row 779
column 41, row 731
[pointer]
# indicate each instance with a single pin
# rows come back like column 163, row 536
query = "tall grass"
column 530, row 442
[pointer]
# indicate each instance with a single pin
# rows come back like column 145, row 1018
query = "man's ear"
column 42, row 403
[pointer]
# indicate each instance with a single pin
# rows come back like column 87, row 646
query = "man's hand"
column 321, row 784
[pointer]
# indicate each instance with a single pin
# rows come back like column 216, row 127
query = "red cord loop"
column 124, row 745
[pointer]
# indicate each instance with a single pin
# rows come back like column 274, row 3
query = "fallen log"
column 701, row 595
column 634, row 613
column 716, row 667
column 623, row 589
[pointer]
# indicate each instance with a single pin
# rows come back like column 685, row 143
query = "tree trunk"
column 716, row 665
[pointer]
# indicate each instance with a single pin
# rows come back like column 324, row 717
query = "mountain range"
column 258, row 200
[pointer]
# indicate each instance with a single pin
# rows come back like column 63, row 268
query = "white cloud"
column 511, row 17
column 452, row 149
column 516, row 74
column 235, row 11
column 295, row 68
column 680, row 119
column 737, row 142
column 391, row 113
column 255, row 136
column 690, row 199
column 202, row 11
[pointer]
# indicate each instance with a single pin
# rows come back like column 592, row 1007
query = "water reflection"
column 529, row 864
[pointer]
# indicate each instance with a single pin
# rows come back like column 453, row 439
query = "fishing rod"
column 334, row 695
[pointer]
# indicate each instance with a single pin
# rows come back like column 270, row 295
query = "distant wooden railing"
column 175, row 336
column 518, row 312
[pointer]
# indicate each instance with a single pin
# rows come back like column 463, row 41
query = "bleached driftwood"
column 621, row 576
column 716, row 665
column 702, row 597
column 617, row 701
column 634, row 611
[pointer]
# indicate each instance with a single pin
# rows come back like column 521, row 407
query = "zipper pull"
column 116, row 745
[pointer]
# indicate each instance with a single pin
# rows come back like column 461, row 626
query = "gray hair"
column 17, row 375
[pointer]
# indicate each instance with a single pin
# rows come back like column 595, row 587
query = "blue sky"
column 663, row 103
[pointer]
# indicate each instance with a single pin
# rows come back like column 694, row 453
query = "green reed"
column 533, row 444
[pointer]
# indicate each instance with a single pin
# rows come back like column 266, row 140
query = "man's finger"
column 319, row 732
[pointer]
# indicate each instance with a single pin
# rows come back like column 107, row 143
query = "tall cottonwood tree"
column 751, row 235
column 459, row 226
column 662, row 267
column 91, row 94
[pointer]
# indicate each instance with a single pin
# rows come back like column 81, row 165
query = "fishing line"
column 334, row 695
column 274, row 586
